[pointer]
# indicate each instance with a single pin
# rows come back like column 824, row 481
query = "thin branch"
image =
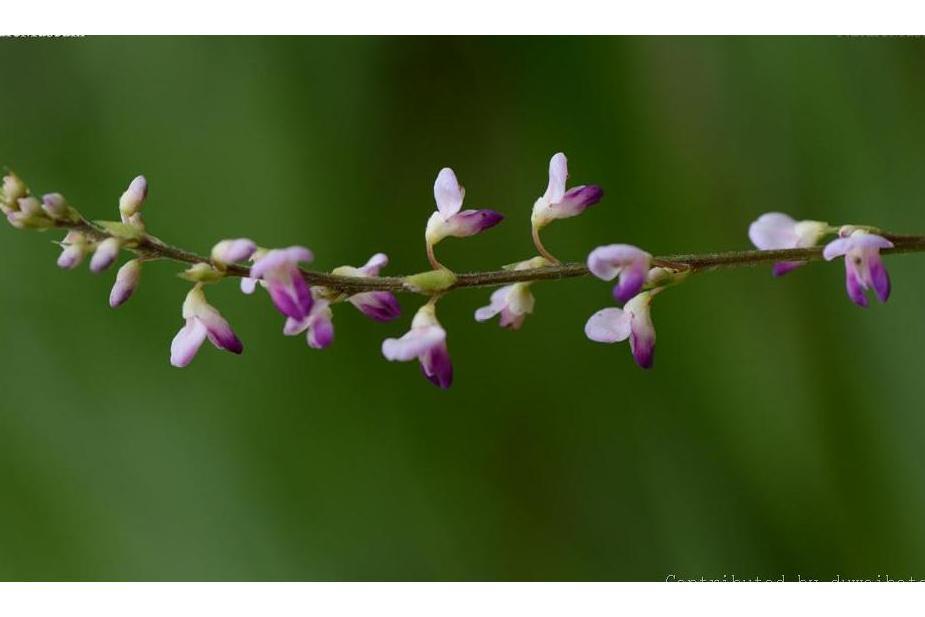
column 152, row 248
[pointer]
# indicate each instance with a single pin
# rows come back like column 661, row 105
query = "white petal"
column 608, row 325
column 414, row 343
column 187, row 342
column 558, row 174
column 773, row 230
column 447, row 193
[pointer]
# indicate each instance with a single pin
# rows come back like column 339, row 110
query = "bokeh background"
column 780, row 434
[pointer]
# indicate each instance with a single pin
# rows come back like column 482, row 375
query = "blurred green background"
column 780, row 432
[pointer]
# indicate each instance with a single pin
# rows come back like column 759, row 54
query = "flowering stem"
column 150, row 247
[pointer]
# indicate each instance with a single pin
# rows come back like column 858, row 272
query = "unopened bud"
column 126, row 282
column 133, row 198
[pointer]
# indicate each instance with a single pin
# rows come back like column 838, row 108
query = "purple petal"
column 643, row 348
column 378, row 305
column 321, row 334
column 284, row 302
column 631, row 281
column 783, row 267
column 186, row 343
column 576, row 200
column 303, row 294
column 879, row 278
column 437, row 367
column 471, row 222
column 447, row 193
column 854, row 285
column 220, row 332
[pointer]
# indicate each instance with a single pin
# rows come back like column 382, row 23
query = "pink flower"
column 633, row 321
column 559, row 203
column 318, row 325
column 126, row 281
column 863, row 267
column 631, row 264
column 279, row 269
column 202, row 321
column 775, row 231
column 378, row 305
column 449, row 219
column 425, row 342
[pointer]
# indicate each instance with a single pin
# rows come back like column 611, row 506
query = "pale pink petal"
column 375, row 263
column 558, row 174
column 414, row 343
column 608, row 325
column 187, row 342
column 836, row 248
column 231, row 251
column 606, row 262
column 248, row 285
column 497, row 302
column 447, row 193
column 773, row 230
column 106, row 253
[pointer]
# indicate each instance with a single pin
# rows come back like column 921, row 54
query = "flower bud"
column 126, row 282
column 75, row 246
column 28, row 214
column 201, row 273
column 105, row 253
column 231, row 251
column 13, row 189
column 54, row 205
column 133, row 198
column 430, row 282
